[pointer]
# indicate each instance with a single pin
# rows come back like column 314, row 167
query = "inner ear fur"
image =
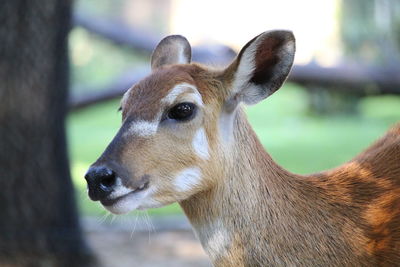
column 173, row 49
column 261, row 67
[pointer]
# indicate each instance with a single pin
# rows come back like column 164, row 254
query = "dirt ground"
column 172, row 248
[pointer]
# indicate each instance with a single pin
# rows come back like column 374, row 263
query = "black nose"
column 101, row 181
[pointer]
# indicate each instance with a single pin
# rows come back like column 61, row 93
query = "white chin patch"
column 129, row 202
column 125, row 205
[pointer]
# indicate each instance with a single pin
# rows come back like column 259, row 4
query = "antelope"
column 185, row 138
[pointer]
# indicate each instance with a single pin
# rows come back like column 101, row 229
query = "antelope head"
column 178, row 123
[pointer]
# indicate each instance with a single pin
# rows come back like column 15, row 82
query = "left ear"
column 173, row 49
column 261, row 67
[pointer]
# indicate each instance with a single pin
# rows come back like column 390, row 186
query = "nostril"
column 108, row 181
column 101, row 182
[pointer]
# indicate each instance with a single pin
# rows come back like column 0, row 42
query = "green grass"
column 305, row 143
column 300, row 141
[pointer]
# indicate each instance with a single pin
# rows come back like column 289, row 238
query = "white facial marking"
column 119, row 189
column 143, row 128
column 149, row 128
column 127, row 203
column 181, row 88
column 187, row 179
column 225, row 125
column 133, row 200
column 200, row 144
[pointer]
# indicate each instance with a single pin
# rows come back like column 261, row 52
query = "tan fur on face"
column 245, row 209
column 266, row 216
column 170, row 150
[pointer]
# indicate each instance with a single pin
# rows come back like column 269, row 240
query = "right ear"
column 173, row 49
column 260, row 68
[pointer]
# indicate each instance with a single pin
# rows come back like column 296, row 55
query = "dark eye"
column 182, row 112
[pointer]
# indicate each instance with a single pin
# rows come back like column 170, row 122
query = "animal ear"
column 261, row 67
column 173, row 49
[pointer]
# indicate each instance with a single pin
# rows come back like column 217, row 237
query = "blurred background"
column 342, row 94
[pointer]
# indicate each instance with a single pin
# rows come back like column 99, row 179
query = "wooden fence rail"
column 354, row 78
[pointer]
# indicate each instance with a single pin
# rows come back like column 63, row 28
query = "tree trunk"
column 38, row 219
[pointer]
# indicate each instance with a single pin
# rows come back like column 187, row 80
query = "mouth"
column 112, row 201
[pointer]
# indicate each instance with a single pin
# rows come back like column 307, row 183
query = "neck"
column 257, row 210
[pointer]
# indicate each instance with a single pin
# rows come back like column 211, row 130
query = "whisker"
column 134, row 225
column 149, row 225
column 103, row 219
column 113, row 218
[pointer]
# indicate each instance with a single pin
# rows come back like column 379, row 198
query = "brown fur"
column 343, row 217
column 247, row 210
column 348, row 216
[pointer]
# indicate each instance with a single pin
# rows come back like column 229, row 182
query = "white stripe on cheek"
column 187, row 179
column 200, row 144
column 143, row 128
